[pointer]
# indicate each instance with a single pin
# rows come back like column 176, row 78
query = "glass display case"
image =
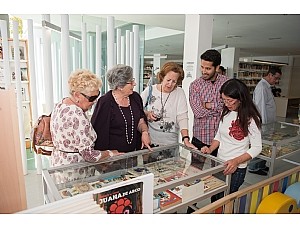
column 182, row 176
column 280, row 140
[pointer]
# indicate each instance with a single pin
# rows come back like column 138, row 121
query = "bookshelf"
column 25, row 87
column 251, row 73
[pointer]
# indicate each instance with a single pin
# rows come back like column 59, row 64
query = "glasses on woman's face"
column 229, row 101
column 91, row 98
column 131, row 81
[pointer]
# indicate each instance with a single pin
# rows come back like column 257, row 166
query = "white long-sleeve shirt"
column 264, row 100
column 233, row 143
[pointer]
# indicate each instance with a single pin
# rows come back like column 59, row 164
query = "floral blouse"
column 73, row 136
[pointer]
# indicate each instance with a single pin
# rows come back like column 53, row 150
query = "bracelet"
column 185, row 137
column 110, row 153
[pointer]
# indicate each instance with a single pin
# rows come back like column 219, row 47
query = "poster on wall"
column 127, row 199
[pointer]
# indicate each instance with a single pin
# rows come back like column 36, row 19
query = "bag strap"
column 149, row 96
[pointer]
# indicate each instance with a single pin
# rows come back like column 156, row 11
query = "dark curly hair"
column 213, row 56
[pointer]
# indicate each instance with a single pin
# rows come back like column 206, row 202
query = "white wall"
column 294, row 90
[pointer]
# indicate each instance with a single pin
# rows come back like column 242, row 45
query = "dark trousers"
column 237, row 179
column 199, row 164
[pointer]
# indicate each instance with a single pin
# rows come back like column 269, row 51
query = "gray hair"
column 119, row 75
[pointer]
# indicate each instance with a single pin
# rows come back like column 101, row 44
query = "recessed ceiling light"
column 275, row 38
column 233, row 36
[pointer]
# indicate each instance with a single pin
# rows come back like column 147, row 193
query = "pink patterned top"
column 73, row 136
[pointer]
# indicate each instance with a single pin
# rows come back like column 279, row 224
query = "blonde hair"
column 83, row 81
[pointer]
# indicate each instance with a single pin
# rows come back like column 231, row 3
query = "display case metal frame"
column 211, row 166
column 290, row 134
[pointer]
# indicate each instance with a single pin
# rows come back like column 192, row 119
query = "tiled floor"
column 33, row 181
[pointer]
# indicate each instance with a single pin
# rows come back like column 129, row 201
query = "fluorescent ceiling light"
column 270, row 62
column 56, row 28
column 221, row 47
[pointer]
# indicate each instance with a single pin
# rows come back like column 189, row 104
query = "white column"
column 156, row 62
column 48, row 82
column 33, row 86
column 65, row 54
column 110, row 41
column 197, row 39
column 73, row 59
column 19, row 96
column 115, row 54
column 91, row 53
column 118, row 41
column 131, row 50
column 84, row 45
column 5, row 54
column 122, row 61
column 136, row 57
column 230, row 60
column 127, row 48
column 98, row 50
column 57, row 75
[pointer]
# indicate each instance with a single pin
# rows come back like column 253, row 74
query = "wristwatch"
column 185, row 137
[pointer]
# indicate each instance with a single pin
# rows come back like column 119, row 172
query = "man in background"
column 222, row 70
column 265, row 103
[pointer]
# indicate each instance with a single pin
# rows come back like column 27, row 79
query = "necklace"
column 163, row 107
column 125, row 120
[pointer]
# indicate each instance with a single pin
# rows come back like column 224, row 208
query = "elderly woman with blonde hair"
column 72, row 133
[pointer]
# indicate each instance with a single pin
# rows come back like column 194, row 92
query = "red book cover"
column 168, row 199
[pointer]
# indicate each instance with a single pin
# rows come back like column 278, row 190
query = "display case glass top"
column 279, row 131
column 177, row 170
column 280, row 139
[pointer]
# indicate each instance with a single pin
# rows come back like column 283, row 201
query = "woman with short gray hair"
column 119, row 118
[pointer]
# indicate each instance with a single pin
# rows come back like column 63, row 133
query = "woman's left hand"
column 146, row 141
column 231, row 166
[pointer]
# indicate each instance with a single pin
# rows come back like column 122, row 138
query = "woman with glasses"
column 119, row 119
column 167, row 109
column 72, row 133
column 239, row 133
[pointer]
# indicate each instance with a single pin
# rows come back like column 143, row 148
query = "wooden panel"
column 12, row 188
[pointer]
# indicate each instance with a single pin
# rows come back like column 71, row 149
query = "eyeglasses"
column 230, row 102
column 277, row 77
column 131, row 81
column 90, row 98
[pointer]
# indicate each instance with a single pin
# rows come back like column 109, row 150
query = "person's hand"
column 190, row 145
column 205, row 150
column 151, row 116
column 231, row 166
column 116, row 153
column 146, row 141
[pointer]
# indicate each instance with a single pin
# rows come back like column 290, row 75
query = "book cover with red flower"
column 122, row 200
